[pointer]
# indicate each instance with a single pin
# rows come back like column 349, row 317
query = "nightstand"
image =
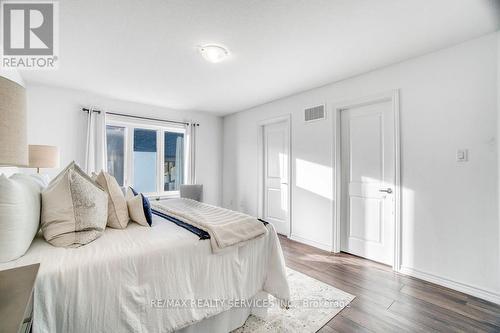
column 16, row 298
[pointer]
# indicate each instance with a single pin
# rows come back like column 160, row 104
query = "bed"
column 122, row 281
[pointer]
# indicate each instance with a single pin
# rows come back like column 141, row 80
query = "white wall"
column 55, row 118
column 450, row 210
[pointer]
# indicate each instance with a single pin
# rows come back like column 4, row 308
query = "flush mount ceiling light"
column 213, row 53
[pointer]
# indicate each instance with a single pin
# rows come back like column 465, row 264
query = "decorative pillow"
column 74, row 209
column 139, row 208
column 117, row 205
column 19, row 214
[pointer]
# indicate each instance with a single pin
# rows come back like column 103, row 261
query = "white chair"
column 194, row 192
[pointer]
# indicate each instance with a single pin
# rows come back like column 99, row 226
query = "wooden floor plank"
column 387, row 301
column 369, row 321
column 437, row 318
column 453, row 304
column 403, row 323
column 423, row 318
column 342, row 324
column 327, row 329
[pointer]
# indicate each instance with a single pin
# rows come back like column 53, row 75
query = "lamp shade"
column 13, row 132
column 43, row 156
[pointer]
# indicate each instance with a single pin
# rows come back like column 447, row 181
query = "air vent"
column 315, row 113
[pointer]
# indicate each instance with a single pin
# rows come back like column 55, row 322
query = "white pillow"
column 74, row 209
column 19, row 214
column 42, row 179
column 117, row 205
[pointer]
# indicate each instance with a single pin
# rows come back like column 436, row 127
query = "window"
column 146, row 155
column 145, row 160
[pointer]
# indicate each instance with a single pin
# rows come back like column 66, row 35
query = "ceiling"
column 146, row 51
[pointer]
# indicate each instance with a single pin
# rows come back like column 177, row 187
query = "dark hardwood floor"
column 387, row 301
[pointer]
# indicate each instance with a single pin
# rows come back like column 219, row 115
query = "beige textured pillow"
column 139, row 208
column 74, row 209
column 117, row 205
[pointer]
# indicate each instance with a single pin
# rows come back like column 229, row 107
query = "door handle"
column 386, row 190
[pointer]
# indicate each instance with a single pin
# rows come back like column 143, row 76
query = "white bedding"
column 109, row 284
column 226, row 227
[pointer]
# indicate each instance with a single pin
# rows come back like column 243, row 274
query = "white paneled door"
column 368, row 176
column 276, row 168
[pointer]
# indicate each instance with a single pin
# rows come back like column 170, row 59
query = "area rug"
column 313, row 304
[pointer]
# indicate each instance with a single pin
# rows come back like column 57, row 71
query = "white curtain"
column 95, row 157
column 179, row 161
column 190, row 157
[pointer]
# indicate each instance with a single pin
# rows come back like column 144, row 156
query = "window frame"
column 160, row 127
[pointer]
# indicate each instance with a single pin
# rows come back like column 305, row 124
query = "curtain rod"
column 144, row 118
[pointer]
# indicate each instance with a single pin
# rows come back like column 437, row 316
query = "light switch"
column 462, row 155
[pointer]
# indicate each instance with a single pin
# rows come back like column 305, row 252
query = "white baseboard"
column 464, row 288
column 319, row 245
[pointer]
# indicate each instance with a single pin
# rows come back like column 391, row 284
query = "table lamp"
column 42, row 156
column 13, row 132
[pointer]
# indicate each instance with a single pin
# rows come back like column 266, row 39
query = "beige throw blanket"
column 225, row 227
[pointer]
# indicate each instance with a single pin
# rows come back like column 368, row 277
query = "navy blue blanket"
column 197, row 231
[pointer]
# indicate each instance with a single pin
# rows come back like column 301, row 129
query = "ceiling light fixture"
column 213, row 53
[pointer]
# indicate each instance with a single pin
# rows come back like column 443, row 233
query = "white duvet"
column 110, row 284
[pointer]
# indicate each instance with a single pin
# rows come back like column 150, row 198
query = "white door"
column 276, row 168
column 368, row 176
